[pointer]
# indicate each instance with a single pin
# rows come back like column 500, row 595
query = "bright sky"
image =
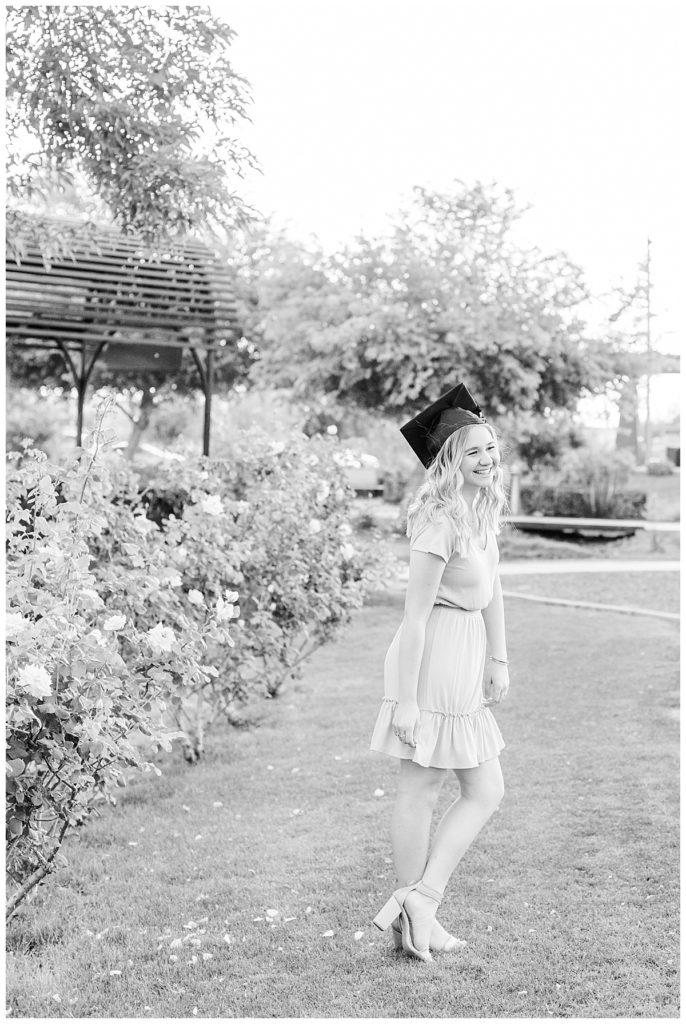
column 574, row 104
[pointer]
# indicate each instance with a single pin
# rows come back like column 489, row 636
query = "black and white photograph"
column 342, row 509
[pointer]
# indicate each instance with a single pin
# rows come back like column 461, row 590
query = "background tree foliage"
column 446, row 294
column 137, row 100
column 120, row 114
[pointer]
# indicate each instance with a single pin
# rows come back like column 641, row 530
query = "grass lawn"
column 245, row 886
column 658, row 591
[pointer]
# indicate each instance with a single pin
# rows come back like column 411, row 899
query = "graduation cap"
column 428, row 431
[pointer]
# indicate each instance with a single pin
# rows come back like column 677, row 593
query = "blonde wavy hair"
column 440, row 496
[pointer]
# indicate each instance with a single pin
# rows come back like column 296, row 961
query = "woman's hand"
column 406, row 722
column 496, row 683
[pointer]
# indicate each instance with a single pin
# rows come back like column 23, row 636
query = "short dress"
column 456, row 729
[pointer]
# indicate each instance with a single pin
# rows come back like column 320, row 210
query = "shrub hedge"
column 547, row 500
column 136, row 615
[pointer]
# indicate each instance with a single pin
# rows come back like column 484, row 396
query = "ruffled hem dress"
column 456, row 728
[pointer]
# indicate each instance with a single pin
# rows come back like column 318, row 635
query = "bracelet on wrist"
column 499, row 661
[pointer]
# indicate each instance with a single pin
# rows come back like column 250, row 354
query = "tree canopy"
column 447, row 294
column 138, row 102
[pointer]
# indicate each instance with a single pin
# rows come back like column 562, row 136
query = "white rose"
column 161, row 637
column 172, row 579
column 35, row 679
column 212, row 504
column 195, row 597
column 224, row 610
column 51, row 551
column 323, row 492
column 92, row 598
column 231, row 596
column 14, row 624
column 114, row 622
column 315, row 526
column 348, row 551
column 345, row 530
column 277, row 447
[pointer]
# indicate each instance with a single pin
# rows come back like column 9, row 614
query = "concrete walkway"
column 545, row 566
column 551, row 566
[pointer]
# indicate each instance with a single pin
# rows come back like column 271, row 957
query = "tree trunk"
column 627, row 431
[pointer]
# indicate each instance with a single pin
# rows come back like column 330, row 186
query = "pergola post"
column 81, row 385
column 209, row 381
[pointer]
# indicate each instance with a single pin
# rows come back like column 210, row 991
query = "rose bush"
column 270, row 521
column 123, row 617
column 88, row 679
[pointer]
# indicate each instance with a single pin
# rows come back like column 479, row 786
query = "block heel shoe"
column 395, row 907
column 441, row 941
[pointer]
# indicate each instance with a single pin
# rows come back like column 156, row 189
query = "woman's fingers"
column 407, row 732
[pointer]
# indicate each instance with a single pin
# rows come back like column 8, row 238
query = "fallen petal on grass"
column 327, row 935
column 358, row 936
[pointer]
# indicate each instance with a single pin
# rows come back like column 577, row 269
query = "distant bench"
column 572, row 524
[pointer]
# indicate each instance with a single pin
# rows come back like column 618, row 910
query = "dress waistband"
column 457, row 608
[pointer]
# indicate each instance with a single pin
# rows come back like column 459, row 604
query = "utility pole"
column 647, row 436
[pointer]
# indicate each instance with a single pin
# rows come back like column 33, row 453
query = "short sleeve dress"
column 456, row 729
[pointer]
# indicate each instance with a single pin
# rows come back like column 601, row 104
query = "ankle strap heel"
column 427, row 891
column 395, row 907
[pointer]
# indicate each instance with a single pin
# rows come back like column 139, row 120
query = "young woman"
column 446, row 665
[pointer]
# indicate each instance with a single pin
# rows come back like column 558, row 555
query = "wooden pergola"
column 111, row 299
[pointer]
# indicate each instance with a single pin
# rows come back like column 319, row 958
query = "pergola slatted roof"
column 111, row 298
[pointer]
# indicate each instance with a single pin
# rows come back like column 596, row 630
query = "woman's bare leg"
column 481, row 792
column 416, row 797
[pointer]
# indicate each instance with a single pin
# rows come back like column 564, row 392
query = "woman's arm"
column 426, row 571
column 497, row 680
